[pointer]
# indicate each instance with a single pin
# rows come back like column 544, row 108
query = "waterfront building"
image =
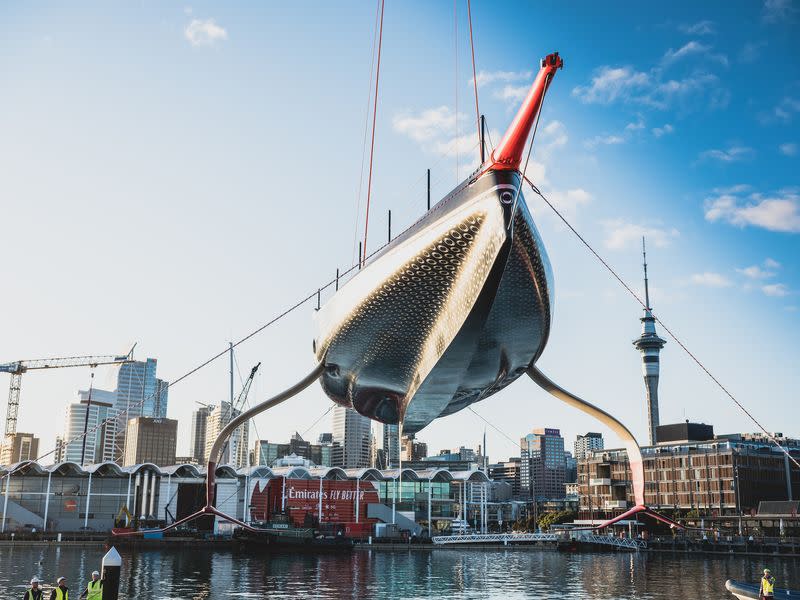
column 197, row 434
column 18, row 447
column 235, row 451
column 391, row 446
column 268, row 453
column 353, row 433
column 139, row 393
column 587, row 442
column 101, row 421
column 716, row 477
column 650, row 345
column 543, row 472
column 67, row 498
column 150, row 440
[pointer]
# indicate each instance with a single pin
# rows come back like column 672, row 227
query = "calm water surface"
column 199, row 574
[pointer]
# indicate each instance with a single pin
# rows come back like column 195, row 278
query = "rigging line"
column 455, row 42
column 497, row 429
column 660, row 322
column 366, row 128
column 530, row 148
column 474, row 76
column 372, row 143
column 329, row 409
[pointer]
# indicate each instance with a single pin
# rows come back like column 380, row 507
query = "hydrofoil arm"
column 630, row 443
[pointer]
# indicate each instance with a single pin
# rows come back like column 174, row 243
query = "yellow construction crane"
column 17, row 368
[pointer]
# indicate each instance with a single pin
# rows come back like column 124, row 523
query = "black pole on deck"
column 390, row 225
column 429, row 189
column 359, row 255
column 483, row 139
column 337, row 280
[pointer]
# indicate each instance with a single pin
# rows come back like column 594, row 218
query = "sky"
column 177, row 174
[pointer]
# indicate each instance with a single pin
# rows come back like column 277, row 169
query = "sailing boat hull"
column 450, row 312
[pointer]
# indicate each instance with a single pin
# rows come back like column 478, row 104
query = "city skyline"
column 618, row 151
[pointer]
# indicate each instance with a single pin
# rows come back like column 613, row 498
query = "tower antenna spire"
column 646, row 289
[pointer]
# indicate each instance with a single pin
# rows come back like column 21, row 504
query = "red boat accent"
column 508, row 154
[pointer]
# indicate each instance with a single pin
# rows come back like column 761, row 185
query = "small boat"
column 280, row 532
column 749, row 591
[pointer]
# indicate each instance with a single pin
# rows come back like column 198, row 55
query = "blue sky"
column 178, row 173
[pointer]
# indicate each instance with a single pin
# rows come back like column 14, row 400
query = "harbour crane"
column 17, row 368
column 237, row 408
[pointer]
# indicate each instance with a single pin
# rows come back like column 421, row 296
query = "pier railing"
column 494, row 538
column 609, row 540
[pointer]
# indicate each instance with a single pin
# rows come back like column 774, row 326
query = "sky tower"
column 649, row 344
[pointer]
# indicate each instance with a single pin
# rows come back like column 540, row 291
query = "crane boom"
column 18, row 367
column 238, row 405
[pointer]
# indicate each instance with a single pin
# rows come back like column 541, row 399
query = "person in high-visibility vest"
column 61, row 592
column 94, row 589
column 35, row 592
column 767, row 589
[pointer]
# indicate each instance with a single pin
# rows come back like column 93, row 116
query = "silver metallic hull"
column 449, row 313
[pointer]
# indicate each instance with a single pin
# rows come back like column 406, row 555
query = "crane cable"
column 660, row 322
column 366, row 129
column 474, row 76
column 372, row 143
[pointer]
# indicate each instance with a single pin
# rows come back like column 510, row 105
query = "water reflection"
column 200, row 574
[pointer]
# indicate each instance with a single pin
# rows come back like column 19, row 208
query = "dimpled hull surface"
column 452, row 311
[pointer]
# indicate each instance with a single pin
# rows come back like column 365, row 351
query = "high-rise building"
column 353, row 433
column 18, row 447
column 412, row 449
column 267, row 453
column 197, row 435
column 235, row 450
column 391, row 446
column 571, row 468
column 587, row 442
column 100, row 423
column 649, row 344
column 151, row 440
column 139, row 394
column 543, row 468
column 508, row 471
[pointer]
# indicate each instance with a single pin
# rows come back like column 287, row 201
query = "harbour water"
column 508, row 574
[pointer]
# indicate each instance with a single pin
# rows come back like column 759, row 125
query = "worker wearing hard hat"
column 61, row 591
column 94, row 589
column 34, row 592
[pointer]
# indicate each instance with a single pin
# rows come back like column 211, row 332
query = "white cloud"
column 778, row 212
column 788, row 149
column 704, row 27
column 693, row 48
column 551, row 136
column 732, row 154
column 430, row 123
column 637, row 125
column 771, row 263
column 610, row 84
column 756, row 272
column 204, row 32
column 777, row 11
column 570, row 201
column 620, row 234
column 776, row 290
column 666, row 129
column 487, row 77
column 626, row 85
column 512, row 93
column 710, row 279
column 783, row 112
column 603, row 140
